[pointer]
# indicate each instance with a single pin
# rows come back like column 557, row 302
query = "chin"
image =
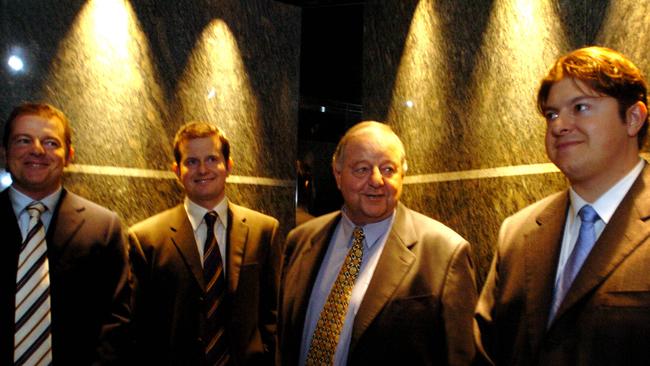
column 374, row 215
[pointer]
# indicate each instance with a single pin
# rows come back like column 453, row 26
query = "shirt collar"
column 195, row 213
column 20, row 201
column 608, row 202
column 373, row 232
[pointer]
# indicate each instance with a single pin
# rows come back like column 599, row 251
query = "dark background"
column 330, row 78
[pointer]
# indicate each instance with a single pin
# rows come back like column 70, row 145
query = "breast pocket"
column 629, row 283
column 626, row 298
column 413, row 314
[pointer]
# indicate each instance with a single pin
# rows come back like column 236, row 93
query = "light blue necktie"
column 586, row 241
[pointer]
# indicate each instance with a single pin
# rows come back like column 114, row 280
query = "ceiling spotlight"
column 409, row 103
column 322, row 109
column 15, row 63
column 5, row 179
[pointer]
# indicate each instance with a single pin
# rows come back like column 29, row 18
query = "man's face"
column 203, row 170
column 586, row 138
column 36, row 155
column 370, row 176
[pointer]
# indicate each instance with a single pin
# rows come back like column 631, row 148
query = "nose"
column 202, row 167
column 561, row 125
column 376, row 179
column 37, row 147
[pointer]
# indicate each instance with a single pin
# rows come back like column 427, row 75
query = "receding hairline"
column 366, row 128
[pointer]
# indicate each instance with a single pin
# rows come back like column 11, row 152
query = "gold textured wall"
column 457, row 80
column 129, row 73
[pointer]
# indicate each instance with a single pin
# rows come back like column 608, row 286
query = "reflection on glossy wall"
column 103, row 77
column 457, row 81
column 129, row 73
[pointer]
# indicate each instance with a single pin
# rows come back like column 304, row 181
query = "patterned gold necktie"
column 32, row 337
column 330, row 322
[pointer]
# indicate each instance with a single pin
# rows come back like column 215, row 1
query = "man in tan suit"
column 569, row 282
column 375, row 283
column 207, row 270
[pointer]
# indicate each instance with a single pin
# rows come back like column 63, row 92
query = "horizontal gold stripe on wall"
column 162, row 174
column 506, row 171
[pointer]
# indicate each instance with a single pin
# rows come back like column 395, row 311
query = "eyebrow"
column 573, row 100
column 20, row 136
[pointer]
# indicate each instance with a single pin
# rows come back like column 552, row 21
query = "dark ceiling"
column 331, row 50
column 319, row 3
column 330, row 67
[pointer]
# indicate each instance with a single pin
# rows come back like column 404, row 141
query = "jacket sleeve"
column 458, row 301
column 115, row 339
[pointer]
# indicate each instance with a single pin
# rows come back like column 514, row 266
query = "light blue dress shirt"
column 20, row 201
column 339, row 245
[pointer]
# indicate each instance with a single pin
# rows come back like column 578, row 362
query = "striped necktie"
column 215, row 301
column 32, row 337
column 330, row 322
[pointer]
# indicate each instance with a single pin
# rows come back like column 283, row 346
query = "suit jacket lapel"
column 395, row 261
column 627, row 229
column 543, row 250
column 182, row 236
column 11, row 240
column 10, row 232
column 66, row 220
column 237, row 236
column 303, row 280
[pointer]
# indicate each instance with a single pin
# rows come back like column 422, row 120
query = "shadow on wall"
column 115, row 67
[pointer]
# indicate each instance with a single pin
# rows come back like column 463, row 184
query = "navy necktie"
column 586, row 241
column 215, row 302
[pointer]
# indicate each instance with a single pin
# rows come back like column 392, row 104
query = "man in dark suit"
column 174, row 316
column 81, row 292
column 569, row 282
column 375, row 283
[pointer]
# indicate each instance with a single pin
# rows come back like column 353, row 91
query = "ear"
column 229, row 165
column 337, row 176
column 635, row 118
column 177, row 170
column 69, row 156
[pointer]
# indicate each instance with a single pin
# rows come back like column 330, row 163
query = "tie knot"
column 357, row 234
column 211, row 218
column 588, row 214
column 35, row 209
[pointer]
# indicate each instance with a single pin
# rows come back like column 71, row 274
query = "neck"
column 35, row 195
column 591, row 189
column 208, row 204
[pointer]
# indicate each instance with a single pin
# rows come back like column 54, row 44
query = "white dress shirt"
column 196, row 215
column 604, row 206
column 339, row 245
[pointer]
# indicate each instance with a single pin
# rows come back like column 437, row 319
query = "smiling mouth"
column 203, row 180
column 566, row 144
column 374, row 196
